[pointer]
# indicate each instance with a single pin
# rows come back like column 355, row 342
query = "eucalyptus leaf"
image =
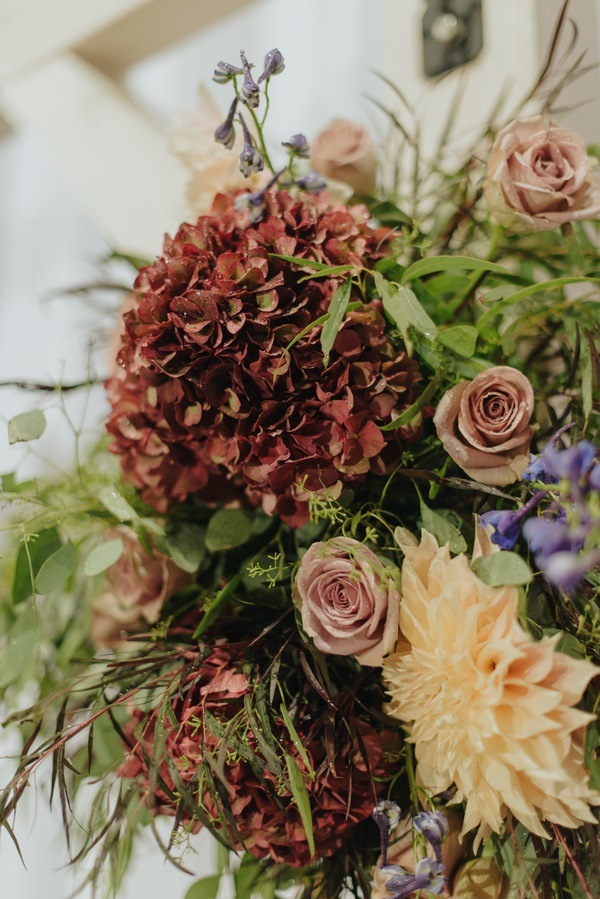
column 20, row 652
column 207, row 888
column 451, row 263
column 337, row 309
column 302, row 799
column 185, row 544
column 116, row 504
column 442, row 529
column 461, row 339
column 502, row 568
column 103, row 556
column 227, row 529
column 30, row 559
column 27, row 426
column 56, row 569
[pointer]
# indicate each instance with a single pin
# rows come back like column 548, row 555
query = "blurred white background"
column 85, row 166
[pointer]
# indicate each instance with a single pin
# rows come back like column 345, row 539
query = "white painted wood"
column 31, row 31
column 114, row 160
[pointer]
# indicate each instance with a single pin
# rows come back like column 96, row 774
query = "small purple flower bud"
column 594, row 481
column 434, row 827
column 250, row 159
column 569, row 464
column 312, row 182
column 565, row 570
column 225, row 133
column 507, row 526
column 428, row 876
column 253, row 203
column 298, row 145
column 386, row 815
column 273, row 65
column 224, row 72
column 250, row 89
column 547, row 536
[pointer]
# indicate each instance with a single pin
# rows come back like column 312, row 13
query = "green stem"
column 261, row 141
column 214, row 609
column 477, row 277
column 410, row 773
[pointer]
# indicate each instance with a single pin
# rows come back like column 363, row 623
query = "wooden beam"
column 114, row 159
column 151, row 28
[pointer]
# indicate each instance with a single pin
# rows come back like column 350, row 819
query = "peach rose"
column 344, row 151
column 539, row 177
column 484, row 425
column 349, row 600
column 138, row 585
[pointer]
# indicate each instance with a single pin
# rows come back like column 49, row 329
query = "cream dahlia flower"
column 488, row 708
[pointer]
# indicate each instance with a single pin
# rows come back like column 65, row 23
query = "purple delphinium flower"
column 273, row 65
column 312, row 182
column 594, row 479
column 547, row 536
column 569, row 464
column 250, row 89
column 386, row 815
column 428, row 876
column 536, row 471
column 506, row 524
column 225, row 133
column 434, row 827
column 224, row 72
column 250, row 159
column 298, row 145
column 566, row 570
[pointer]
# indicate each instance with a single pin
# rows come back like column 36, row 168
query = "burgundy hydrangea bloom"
column 342, row 793
column 209, row 403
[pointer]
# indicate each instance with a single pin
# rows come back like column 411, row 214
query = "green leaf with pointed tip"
column 451, row 263
column 103, row 556
column 56, row 569
column 337, row 309
column 461, row 339
column 30, row 559
column 503, row 568
column 116, row 504
column 443, row 531
column 207, row 888
column 27, row 426
column 302, row 799
column 406, row 305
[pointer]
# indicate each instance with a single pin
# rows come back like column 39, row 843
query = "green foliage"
column 56, row 569
column 227, row 529
column 338, row 306
column 103, row 556
column 34, row 552
column 27, row 426
column 502, row 568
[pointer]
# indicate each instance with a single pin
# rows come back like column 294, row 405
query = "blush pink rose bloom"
column 138, row 586
column 349, row 600
column 539, row 177
column 345, row 152
column 484, row 425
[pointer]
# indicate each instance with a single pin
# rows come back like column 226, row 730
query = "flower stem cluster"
column 429, row 872
column 564, row 535
column 255, row 155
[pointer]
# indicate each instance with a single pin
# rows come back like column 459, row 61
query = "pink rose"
column 138, row 586
column 344, row 151
column 484, row 425
column 349, row 600
column 539, row 177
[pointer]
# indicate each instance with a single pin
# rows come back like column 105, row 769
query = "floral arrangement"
column 329, row 585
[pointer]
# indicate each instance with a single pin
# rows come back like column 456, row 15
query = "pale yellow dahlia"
column 488, row 708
